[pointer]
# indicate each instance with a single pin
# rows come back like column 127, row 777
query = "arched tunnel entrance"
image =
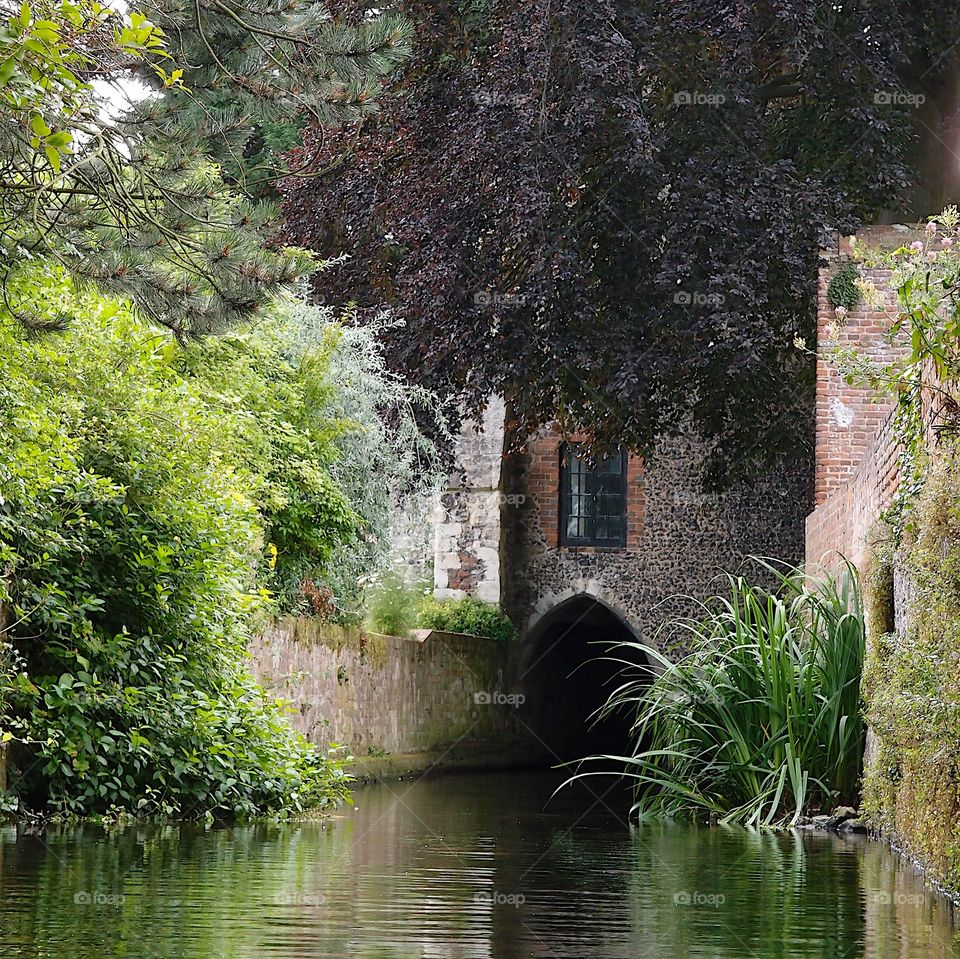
column 568, row 677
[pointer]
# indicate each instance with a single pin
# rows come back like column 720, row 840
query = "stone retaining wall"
column 382, row 694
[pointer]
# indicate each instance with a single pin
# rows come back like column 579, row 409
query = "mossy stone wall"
column 912, row 682
column 383, row 694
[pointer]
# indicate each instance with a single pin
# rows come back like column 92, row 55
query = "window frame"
column 566, row 495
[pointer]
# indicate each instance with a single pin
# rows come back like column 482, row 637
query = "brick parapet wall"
column 843, row 525
column 857, row 457
column 848, row 418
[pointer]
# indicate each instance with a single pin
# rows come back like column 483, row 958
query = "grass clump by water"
column 760, row 723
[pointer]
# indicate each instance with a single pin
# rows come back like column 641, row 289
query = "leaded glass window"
column 592, row 500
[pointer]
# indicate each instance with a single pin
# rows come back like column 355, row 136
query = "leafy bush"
column 272, row 403
column 468, row 615
column 386, row 466
column 129, row 551
column 842, row 289
column 331, row 442
column 761, row 722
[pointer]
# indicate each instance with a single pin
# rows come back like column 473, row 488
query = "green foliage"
column 923, row 376
column 912, row 686
column 911, row 690
column 760, row 723
column 329, row 442
column 396, row 606
column 129, row 545
column 467, row 615
column 393, row 604
column 272, row 400
column 878, row 583
column 124, row 183
column 842, row 289
column 477, row 23
column 386, row 466
column 48, row 49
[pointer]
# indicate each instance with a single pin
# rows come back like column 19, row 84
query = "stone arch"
column 566, row 675
column 550, row 604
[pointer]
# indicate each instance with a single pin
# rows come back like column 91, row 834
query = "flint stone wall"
column 686, row 539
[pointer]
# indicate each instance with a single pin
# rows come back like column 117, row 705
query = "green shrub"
column 842, row 289
column 468, row 615
column 129, row 548
column 760, row 723
column 331, row 442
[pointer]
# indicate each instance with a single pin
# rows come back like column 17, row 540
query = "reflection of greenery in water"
column 719, row 892
column 902, row 917
column 429, row 869
column 156, row 889
column 731, row 891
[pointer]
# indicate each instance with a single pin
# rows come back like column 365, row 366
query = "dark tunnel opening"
column 569, row 677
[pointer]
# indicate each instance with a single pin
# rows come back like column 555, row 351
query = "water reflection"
column 466, row 867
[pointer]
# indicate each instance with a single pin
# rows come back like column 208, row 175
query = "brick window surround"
column 593, row 500
column 543, row 481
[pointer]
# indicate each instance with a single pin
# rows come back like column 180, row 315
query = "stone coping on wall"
column 422, row 635
column 327, row 631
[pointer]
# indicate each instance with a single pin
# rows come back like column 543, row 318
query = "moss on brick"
column 912, row 688
column 877, row 577
column 372, row 647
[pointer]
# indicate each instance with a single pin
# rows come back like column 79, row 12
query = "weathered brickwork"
column 843, row 525
column 543, row 483
column 383, row 693
column 849, row 418
column 856, row 455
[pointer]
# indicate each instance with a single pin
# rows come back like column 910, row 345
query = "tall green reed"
column 761, row 722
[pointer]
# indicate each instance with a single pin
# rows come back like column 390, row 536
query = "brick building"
column 581, row 555
column 578, row 553
column 856, row 461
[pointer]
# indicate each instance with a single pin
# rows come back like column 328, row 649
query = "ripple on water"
column 467, row 867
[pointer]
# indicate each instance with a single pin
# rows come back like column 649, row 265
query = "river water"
column 461, row 867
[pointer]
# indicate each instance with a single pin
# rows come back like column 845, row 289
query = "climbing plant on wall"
column 923, row 375
column 909, row 683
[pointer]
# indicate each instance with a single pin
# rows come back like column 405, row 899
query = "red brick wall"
column 544, row 486
column 856, row 457
column 844, row 523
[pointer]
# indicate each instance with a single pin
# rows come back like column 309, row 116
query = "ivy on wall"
column 912, row 685
column 842, row 290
